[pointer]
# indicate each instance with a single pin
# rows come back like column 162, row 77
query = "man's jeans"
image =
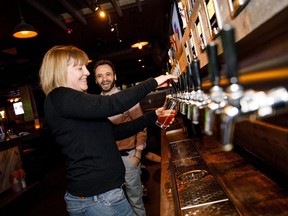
column 111, row 203
column 133, row 185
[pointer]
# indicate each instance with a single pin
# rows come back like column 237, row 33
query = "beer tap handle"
column 190, row 79
column 180, row 82
column 198, row 85
column 229, row 52
column 213, row 63
column 196, row 74
column 183, row 105
column 232, row 111
column 174, row 86
column 235, row 91
column 185, row 83
column 216, row 92
column 191, row 88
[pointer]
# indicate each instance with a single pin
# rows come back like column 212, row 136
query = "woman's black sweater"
column 78, row 122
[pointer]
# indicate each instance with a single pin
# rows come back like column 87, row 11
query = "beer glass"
column 170, row 109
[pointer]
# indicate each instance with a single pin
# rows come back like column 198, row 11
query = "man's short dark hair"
column 104, row 62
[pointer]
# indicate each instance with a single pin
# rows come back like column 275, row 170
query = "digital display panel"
column 176, row 26
column 18, row 108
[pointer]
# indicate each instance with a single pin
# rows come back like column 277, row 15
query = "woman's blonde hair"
column 53, row 71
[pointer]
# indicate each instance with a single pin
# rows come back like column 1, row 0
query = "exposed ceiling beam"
column 89, row 4
column 139, row 5
column 77, row 14
column 57, row 19
column 116, row 5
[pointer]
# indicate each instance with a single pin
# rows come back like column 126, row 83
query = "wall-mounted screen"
column 18, row 108
column 176, row 23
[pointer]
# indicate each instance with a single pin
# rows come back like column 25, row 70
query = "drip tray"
column 192, row 175
column 186, row 165
column 194, row 192
column 215, row 209
column 198, row 191
column 182, row 149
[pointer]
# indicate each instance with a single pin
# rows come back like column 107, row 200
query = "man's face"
column 105, row 77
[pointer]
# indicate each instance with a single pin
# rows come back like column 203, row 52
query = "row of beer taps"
column 234, row 104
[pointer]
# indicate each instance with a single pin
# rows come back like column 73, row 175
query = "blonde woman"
column 78, row 122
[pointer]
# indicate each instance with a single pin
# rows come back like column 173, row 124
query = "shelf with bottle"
column 208, row 17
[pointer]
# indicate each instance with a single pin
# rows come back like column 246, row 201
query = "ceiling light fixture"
column 102, row 13
column 24, row 30
column 112, row 28
column 110, row 23
column 139, row 45
column 97, row 8
column 96, row 5
column 117, row 33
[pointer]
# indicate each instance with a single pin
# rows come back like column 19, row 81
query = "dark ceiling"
column 136, row 20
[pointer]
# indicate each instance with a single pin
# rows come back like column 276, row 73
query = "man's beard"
column 111, row 86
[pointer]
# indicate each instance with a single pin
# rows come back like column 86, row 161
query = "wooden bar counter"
column 253, row 187
column 36, row 153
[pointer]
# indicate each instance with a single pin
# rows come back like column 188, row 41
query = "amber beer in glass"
column 170, row 110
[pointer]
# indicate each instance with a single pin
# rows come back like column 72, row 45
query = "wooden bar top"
column 252, row 187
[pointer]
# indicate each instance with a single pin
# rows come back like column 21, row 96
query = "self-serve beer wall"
column 261, row 30
column 252, row 45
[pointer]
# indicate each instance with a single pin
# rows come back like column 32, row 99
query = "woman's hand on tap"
column 162, row 80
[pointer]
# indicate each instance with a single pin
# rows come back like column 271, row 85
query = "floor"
column 46, row 198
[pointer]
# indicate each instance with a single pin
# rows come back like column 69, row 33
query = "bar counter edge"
column 252, row 187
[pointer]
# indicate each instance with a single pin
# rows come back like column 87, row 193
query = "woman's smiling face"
column 77, row 76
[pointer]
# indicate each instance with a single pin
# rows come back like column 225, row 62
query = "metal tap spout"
column 218, row 98
column 234, row 91
column 228, row 126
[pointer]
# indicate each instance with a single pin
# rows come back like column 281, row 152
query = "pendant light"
column 139, row 45
column 24, row 30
